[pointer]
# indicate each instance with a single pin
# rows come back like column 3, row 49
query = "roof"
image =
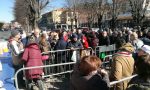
column 125, row 16
column 60, row 9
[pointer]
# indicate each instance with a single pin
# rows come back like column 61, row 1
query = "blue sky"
column 55, row 4
column 6, row 8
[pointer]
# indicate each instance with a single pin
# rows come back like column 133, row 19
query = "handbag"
column 85, row 53
column 74, row 56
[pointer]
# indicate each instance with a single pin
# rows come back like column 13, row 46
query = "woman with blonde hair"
column 44, row 44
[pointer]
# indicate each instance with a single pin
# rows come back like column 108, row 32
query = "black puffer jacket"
column 146, row 40
column 138, row 83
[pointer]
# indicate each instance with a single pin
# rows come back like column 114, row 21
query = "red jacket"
column 85, row 42
column 32, row 57
column 66, row 38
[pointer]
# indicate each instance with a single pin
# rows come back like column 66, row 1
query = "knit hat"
column 74, row 36
column 127, row 47
column 146, row 48
column 14, row 33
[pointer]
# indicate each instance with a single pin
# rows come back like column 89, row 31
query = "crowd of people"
column 84, row 38
column 132, row 56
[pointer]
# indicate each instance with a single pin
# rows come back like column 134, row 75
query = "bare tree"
column 93, row 10
column 28, row 12
column 116, row 8
column 72, row 10
column 138, row 10
column 89, row 11
column 20, row 12
column 101, row 7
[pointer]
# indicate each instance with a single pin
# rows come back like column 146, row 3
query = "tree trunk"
column 76, row 22
column 100, row 21
column 71, row 23
column 113, row 23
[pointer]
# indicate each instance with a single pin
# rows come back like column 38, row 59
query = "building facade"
column 59, row 18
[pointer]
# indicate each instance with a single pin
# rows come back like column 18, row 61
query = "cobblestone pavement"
column 54, row 83
column 58, row 84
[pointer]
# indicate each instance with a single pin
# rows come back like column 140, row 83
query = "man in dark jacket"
column 104, row 40
column 145, row 40
column 61, row 44
column 36, row 35
column 60, row 56
column 74, row 45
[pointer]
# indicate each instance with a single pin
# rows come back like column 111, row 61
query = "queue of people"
column 132, row 56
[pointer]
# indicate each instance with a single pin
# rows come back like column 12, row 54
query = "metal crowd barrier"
column 102, row 51
column 114, row 83
column 63, row 56
column 61, row 73
column 107, row 61
column 59, row 63
column 45, row 66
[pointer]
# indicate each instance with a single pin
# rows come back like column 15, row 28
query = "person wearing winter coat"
column 23, row 38
column 60, row 57
column 122, row 65
column 60, row 45
column 65, row 35
column 104, row 40
column 87, row 75
column 92, row 39
column 114, row 37
column 74, row 43
column 142, row 80
column 16, row 48
column 36, row 35
column 45, row 47
column 32, row 57
column 54, row 40
column 145, row 40
column 137, row 43
column 145, row 49
column 44, row 44
column 86, row 50
column 85, row 42
column 79, row 33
